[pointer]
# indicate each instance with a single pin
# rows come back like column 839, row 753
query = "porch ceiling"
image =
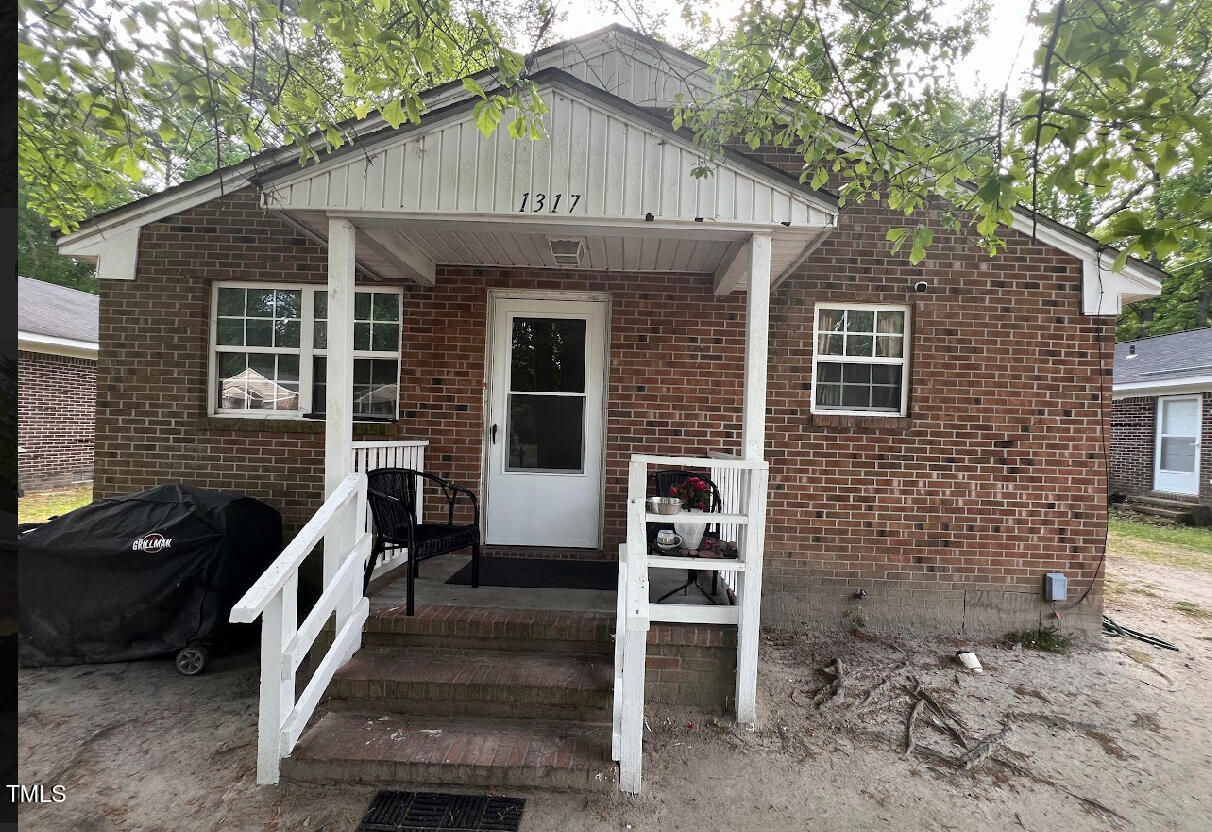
column 397, row 247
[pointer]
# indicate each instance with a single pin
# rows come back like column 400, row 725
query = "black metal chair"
column 392, row 495
column 660, row 483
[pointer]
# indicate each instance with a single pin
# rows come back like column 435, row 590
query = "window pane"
column 260, row 303
column 828, row 395
column 856, row 373
column 375, row 389
column 885, row 373
column 387, row 307
column 320, row 305
column 361, row 336
column 286, row 333
column 860, row 320
column 1179, row 417
column 889, row 346
column 288, row 303
column 248, row 381
column 546, row 432
column 262, row 364
column 829, row 371
column 288, row 368
column 890, row 321
column 886, row 398
column 830, row 320
column 259, row 332
column 231, row 363
column 230, row 331
column 231, row 302
column 362, row 305
column 829, row 344
column 385, row 336
column 854, row 395
column 321, row 335
column 860, row 345
column 1178, row 454
column 548, row 355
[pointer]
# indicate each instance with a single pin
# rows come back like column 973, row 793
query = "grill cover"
column 140, row 575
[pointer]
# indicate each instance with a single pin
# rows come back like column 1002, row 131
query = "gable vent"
column 567, row 252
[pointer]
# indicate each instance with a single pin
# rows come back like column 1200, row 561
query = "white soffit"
column 595, row 163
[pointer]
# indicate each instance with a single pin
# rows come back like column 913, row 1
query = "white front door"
column 545, row 423
column 1176, row 461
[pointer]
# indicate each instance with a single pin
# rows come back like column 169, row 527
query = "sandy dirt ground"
column 1115, row 736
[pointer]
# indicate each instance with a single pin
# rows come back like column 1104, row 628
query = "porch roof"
column 608, row 173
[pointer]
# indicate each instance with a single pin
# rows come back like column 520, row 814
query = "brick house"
column 57, row 381
column 548, row 316
column 1162, row 414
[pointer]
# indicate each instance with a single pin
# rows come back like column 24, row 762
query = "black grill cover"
column 140, row 575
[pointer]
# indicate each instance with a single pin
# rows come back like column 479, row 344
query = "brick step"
column 1175, row 514
column 528, row 631
column 348, row 747
column 479, row 683
column 1176, row 501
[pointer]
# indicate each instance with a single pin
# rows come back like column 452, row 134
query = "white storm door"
column 545, row 432
column 1176, row 460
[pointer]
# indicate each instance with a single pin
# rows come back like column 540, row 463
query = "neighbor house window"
column 860, row 363
column 270, row 344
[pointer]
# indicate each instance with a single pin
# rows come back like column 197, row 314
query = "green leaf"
column 819, row 178
column 473, row 87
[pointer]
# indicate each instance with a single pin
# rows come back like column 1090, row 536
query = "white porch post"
column 753, row 443
column 338, row 408
column 757, row 347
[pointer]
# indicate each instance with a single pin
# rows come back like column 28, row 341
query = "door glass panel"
column 545, row 433
column 1178, row 454
column 548, row 356
column 1178, row 418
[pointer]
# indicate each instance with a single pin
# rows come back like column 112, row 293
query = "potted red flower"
column 694, row 493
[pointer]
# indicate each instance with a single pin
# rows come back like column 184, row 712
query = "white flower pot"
column 691, row 533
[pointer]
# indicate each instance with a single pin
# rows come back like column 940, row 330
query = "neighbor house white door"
column 1176, row 460
column 545, row 423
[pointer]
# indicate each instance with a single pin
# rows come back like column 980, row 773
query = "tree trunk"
column 1205, row 298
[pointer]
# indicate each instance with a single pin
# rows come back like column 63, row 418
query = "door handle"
column 494, row 434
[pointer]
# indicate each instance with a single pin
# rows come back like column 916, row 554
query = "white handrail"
column 634, row 613
column 287, row 564
column 285, row 642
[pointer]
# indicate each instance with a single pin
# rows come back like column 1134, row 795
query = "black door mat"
column 542, row 573
column 422, row 811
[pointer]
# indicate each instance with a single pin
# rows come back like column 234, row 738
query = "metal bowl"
column 664, row 505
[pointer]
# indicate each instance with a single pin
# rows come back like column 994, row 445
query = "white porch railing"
column 634, row 612
column 391, row 453
column 284, row 642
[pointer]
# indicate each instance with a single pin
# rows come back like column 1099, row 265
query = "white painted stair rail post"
column 635, row 635
column 285, row 643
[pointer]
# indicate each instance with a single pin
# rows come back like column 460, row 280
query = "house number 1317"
column 539, row 204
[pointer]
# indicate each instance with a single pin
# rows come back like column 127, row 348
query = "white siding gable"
column 596, row 162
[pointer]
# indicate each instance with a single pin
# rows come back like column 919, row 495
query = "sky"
column 993, row 59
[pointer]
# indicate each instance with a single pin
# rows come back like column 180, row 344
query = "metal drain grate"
column 422, row 811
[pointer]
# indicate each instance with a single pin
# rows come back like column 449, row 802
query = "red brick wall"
column 56, row 396
column 1133, row 434
column 947, row 518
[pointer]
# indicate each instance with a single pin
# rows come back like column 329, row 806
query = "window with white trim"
column 860, row 362
column 269, row 351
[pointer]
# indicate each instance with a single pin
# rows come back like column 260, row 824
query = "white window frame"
column 306, row 351
column 903, row 360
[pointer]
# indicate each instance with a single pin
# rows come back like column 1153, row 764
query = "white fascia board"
column 51, row 345
column 1104, row 292
column 1174, row 386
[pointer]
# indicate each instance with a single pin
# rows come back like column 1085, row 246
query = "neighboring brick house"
column 1161, row 428
column 942, row 471
column 57, row 382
